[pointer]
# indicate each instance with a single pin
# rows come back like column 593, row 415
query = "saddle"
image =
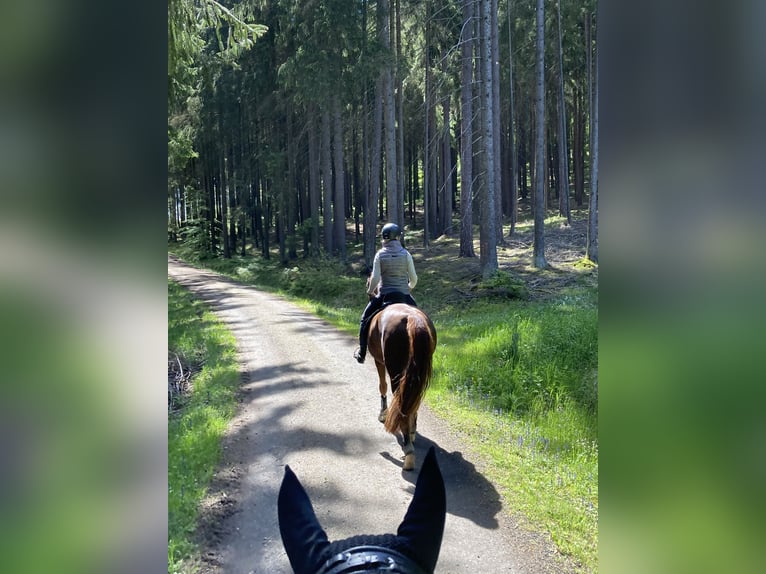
column 396, row 297
column 390, row 299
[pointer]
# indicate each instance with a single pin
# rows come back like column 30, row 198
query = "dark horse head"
column 414, row 549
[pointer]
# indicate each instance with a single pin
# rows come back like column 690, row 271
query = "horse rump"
column 415, row 377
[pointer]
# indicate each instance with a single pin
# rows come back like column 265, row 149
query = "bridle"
column 370, row 559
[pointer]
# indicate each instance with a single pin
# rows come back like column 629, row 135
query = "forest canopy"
column 304, row 125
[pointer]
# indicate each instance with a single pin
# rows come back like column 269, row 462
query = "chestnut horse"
column 402, row 340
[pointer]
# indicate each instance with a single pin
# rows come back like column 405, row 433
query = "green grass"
column 515, row 354
column 518, row 380
column 516, row 377
column 196, row 429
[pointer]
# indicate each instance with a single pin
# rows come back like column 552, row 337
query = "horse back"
column 389, row 329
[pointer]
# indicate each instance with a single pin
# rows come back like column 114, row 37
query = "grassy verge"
column 518, row 381
column 517, row 377
column 197, row 424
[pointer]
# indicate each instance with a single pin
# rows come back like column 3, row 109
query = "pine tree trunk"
column 497, row 164
column 427, row 223
column 550, row 165
column 487, row 223
column 514, row 196
column 400, row 115
column 589, row 63
column 370, row 210
column 326, row 180
column 365, row 190
column 224, row 208
column 433, row 154
column 313, row 183
column 291, row 194
column 241, row 179
column 525, row 169
column 211, row 208
column 538, row 256
column 339, row 241
column 578, row 155
column 466, row 133
column 445, row 212
column 259, row 210
column 591, row 251
column 356, row 170
column 231, row 168
column 534, row 169
column 280, row 223
column 414, row 164
column 563, row 179
column 389, row 119
column 266, row 213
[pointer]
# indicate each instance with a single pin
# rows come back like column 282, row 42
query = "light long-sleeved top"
column 393, row 269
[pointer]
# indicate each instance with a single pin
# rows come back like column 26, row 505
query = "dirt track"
column 305, row 402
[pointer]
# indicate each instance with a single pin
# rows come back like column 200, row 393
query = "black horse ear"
column 423, row 525
column 304, row 539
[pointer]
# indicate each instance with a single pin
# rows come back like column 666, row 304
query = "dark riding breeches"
column 375, row 305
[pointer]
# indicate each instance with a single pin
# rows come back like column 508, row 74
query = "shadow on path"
column 469, row 494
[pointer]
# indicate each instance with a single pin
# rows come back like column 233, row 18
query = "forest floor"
column 457, row 277
column 564, row 251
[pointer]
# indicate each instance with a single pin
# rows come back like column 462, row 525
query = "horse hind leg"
column 408, row 442
column 409, row 449
column 413, row 427
column 383, row 409
column 383, row 388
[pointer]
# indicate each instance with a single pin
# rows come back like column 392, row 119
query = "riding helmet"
column 391, row 231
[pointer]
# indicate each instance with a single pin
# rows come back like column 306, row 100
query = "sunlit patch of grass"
column 516, row 353
column 502, row 284
column 584, row 263
column 195, row 431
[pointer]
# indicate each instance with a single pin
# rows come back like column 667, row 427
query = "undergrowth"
column 514, row 355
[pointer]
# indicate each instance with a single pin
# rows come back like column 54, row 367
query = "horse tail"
column 416, row 376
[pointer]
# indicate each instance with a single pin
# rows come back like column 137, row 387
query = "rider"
column 393, row 275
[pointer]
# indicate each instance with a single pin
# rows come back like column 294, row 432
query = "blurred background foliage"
column 83, row 112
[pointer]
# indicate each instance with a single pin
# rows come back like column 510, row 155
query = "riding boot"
column 373, row 305
column 361, row 352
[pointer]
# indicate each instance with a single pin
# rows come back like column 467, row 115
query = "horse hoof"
column 382, row 416
column 409, row 462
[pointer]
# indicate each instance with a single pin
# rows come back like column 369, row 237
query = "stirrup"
column 359, row 355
